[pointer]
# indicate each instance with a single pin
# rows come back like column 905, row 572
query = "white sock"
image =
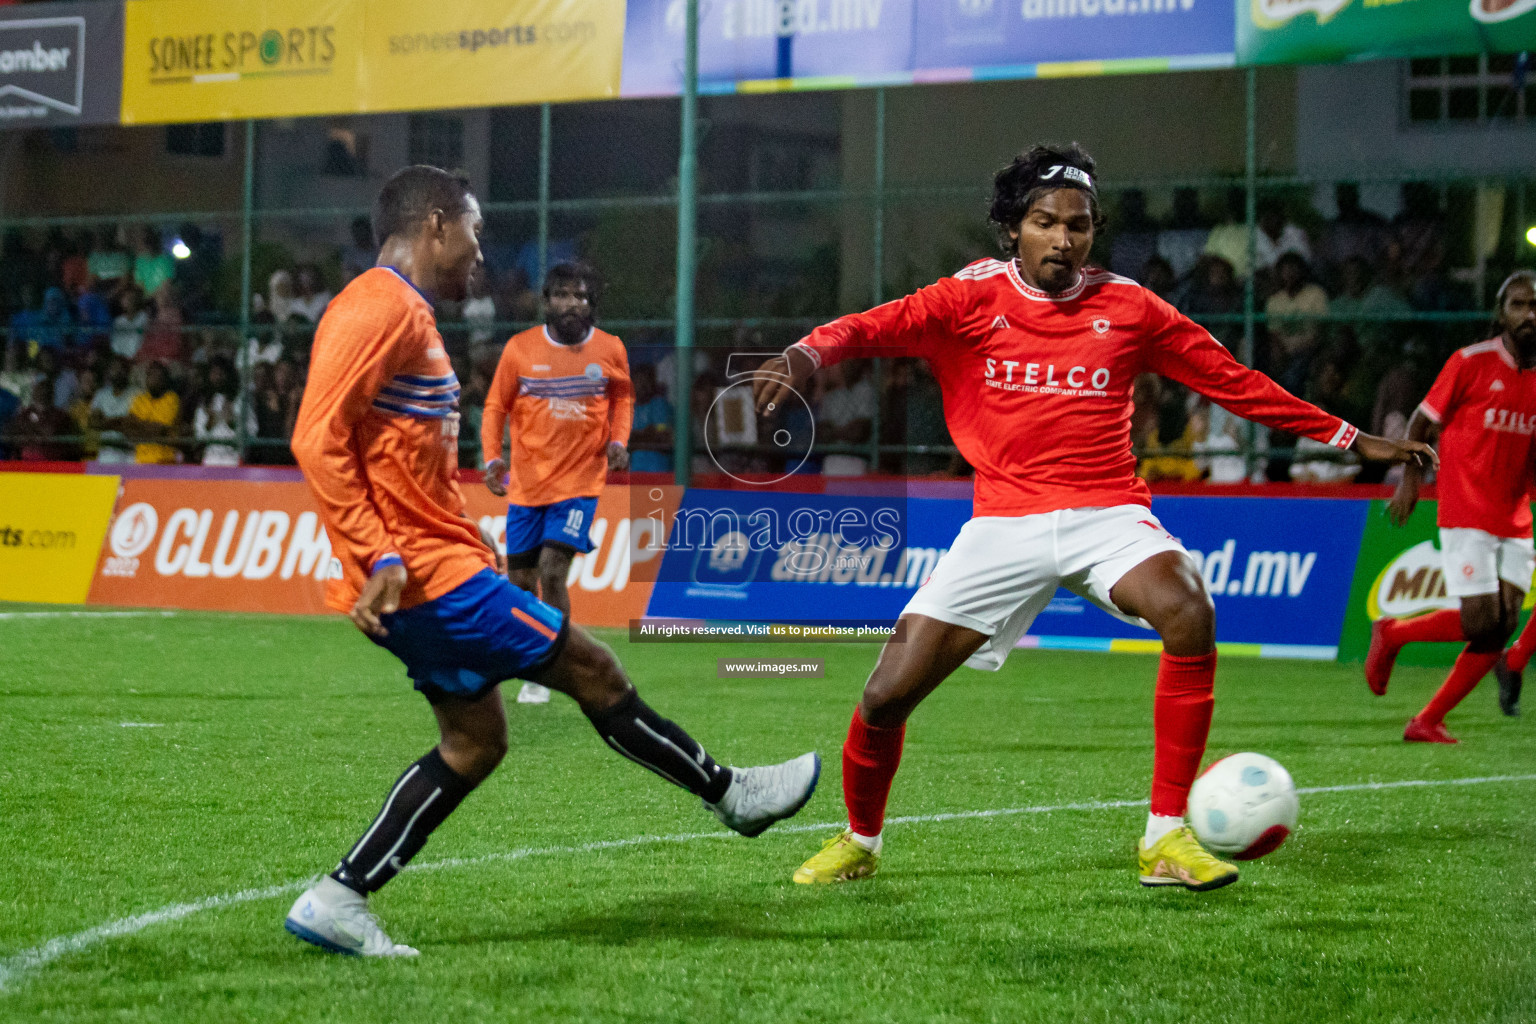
column 870, row 843
column 1159, row 825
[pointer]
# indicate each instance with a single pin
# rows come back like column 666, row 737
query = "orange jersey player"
column 377, row 440
column 380, row 386
column 565, row 389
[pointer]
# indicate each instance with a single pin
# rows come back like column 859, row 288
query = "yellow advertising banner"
column 481, row 53
column 51, row 529
column 190, row 60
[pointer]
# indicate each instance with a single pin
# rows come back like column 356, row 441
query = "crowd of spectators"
column 1337, row 302
column 123, row 343
column 119, row 349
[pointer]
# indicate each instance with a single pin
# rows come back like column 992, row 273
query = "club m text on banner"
column 260, row 547
column 470, row 53
column 51, row 527
column 214, row 545
column 60, row 64
column 1316, row 31
column 189, row 60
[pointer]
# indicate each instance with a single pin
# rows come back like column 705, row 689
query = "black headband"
column 1067, row 176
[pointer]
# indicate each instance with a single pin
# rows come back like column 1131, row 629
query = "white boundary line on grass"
column 13, row 968
column 90, row 615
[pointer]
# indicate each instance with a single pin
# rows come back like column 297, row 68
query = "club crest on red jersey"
column 1101, row 326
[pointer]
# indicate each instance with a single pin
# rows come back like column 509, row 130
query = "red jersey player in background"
column 1483, row 405
column 1036, row 357
column 378, row 442
column 565, row 388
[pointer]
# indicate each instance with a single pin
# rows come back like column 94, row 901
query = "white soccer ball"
column 1243, row 806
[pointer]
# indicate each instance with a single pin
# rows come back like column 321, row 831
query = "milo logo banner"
column 1318, row 31
column 1398, row 575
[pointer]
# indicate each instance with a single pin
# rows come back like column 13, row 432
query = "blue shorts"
column 483, row 632
column 566, row 523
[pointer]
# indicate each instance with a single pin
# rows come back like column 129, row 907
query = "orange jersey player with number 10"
column 377, row 440
column 564, row 388
column 1035, row 356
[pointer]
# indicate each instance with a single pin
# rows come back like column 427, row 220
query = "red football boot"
column 1379, row 659
column 1420, row 731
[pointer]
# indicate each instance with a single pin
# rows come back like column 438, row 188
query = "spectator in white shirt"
column 129, row 325
column 109, row 412
column 310, row 295
column 214, row 421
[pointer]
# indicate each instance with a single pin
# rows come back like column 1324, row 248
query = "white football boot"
column 758, row 797
column 533, row 693
column 336, row 918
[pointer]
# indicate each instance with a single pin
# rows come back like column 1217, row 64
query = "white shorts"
column 1002, row 570
column 1476, row 560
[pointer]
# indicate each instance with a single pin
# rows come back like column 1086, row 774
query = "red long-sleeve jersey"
column 1037, row 387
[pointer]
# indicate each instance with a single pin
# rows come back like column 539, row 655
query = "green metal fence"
column 875, row 199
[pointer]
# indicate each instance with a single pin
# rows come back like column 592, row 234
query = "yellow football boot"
column 840, row 860
column 1179, row 859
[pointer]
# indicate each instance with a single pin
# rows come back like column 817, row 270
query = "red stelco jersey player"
column 1484, row 406
column 1036, row 357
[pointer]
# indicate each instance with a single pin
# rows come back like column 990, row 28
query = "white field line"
column 13, row 968
column 90, row 615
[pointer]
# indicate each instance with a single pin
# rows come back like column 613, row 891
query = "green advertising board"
column 1398, row 574
column 1320, row 31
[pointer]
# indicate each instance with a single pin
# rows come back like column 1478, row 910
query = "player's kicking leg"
column 458, row 649
column 746, row 800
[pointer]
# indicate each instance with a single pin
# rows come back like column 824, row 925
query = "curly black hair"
column 573, row 272
column 1018, row 186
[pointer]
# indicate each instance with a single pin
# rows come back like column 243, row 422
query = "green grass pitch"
column 263, row 745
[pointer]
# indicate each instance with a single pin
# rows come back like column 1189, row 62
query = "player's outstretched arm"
column 1414, row 454
column 905, row 327
column 1184, row 351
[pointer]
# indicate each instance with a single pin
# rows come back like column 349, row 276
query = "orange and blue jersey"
column 565, row 403
column 377, row 438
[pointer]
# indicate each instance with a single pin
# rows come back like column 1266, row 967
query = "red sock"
column 1181, row 720
column 1465, row 674
column 1443, row 626
column 870, row 758
column 1519, row 654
